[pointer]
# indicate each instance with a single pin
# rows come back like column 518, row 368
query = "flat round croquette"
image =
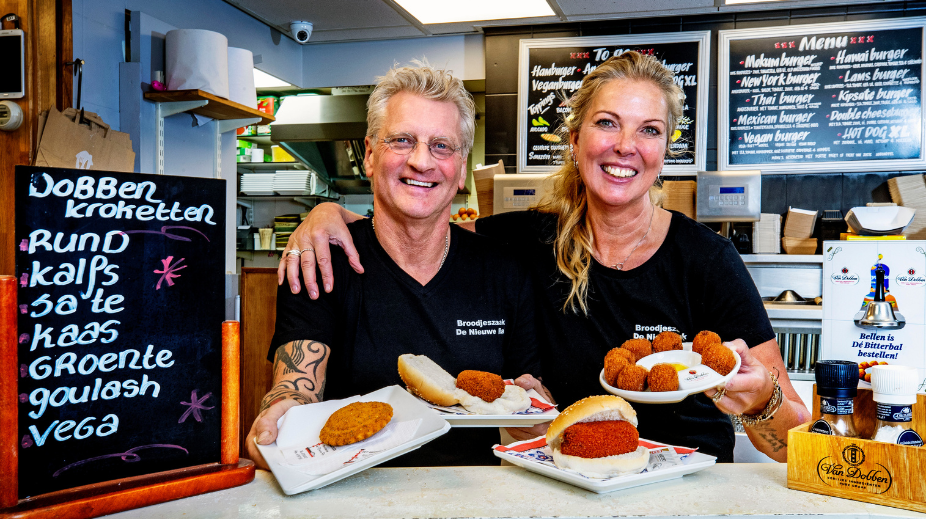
column 667, row 341
column 632, row 378
column 600, row 439
column 487, row 386
column 704, row 339
column 355, row 422
column 639, row 347
column 719, row 358
column 614, row 362
column 662, row 377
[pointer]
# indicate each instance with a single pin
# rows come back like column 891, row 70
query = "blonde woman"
column 613, row 266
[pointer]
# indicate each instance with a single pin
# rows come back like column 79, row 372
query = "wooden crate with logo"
column 857, row 468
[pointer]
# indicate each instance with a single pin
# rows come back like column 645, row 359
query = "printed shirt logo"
column 480, row 327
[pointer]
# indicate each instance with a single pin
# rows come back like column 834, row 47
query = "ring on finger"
column 304, row 250
column 293, row 252
column 719, row 394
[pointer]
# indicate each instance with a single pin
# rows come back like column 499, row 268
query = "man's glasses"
column 403, row 144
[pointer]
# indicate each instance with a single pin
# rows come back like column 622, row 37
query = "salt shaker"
column 837, row 386
column 894, row 392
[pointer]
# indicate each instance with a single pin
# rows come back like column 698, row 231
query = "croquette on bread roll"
column 426, row 379
column 597, row 436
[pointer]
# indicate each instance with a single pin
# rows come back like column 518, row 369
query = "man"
column 428, row 284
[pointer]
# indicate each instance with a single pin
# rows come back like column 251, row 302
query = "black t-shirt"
column 695, row 281
column 476, row 313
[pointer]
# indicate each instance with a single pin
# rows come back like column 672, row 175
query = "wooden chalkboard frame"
column 702, row 38
column 122, row 494
column 723, row 105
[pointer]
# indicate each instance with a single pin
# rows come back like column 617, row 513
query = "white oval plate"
column 697, row 378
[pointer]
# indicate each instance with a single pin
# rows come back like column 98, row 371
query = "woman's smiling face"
column 621, row 144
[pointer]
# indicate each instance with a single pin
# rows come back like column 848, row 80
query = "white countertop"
column 786, row 311
column 730, row 490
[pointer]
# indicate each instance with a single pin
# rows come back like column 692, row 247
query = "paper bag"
column 64, row 142
column 484, row 178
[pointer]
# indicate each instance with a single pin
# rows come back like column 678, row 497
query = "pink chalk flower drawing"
column 169, row 271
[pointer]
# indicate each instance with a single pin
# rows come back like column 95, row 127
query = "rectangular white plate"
column 694, row 462
column 461, row 419
column 404, row 406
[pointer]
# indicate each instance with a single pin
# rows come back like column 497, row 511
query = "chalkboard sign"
column 825, row 97
column 552, row 69
column 120, row 305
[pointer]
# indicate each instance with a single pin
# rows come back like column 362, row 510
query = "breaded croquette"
column 355, row 422
column 614, row 362
column 667, row 341
column 600, row 439
column 487, row 386
column 632, row 378
column 704, row 339
column 639, row 347
column 719, row 358
column 662, row 377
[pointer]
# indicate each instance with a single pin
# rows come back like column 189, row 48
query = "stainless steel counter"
column 729, row 490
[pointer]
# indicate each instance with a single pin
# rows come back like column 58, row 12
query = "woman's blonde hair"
column 573, row 242
column 429, row 83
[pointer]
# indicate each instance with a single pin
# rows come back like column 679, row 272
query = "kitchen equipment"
column 729, row 196
column 520, row 192
column 879, row 313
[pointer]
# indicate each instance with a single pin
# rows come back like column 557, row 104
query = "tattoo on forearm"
column 770, row 436
column 312, row 347
column 278, row 394
column 292, row 358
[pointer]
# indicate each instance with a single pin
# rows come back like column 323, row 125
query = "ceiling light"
column 731, row 2
column 429, row 11
column 265, row 80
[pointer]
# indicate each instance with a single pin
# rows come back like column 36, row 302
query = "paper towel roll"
column 241, row 77
column 197, row 59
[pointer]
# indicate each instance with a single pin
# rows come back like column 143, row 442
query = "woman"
column 622, row 268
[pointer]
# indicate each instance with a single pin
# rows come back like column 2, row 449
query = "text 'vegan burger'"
column 597, row 436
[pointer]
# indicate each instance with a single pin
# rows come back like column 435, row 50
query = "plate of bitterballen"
column 668, row 370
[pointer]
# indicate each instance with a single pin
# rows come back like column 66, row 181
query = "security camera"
column 301, row 31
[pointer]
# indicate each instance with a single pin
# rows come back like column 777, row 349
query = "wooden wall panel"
column 258, row 288
column 47, row 27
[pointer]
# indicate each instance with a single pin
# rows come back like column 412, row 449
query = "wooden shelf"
column 216, row 108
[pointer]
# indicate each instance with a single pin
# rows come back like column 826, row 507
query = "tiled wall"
column 809, row 191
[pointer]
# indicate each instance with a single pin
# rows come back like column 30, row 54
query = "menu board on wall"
column 551, row 70
column 825, row 97
column 120, row 310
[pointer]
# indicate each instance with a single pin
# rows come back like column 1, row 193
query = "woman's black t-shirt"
column 695, row 281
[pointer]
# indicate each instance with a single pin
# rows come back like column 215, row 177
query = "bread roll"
column 596, row 409
column 426, row 379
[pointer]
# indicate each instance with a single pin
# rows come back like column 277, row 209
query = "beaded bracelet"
column 774, row 403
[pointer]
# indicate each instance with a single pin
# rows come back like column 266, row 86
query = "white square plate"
column 312, row 417
column 457, row 416
column 540, row 461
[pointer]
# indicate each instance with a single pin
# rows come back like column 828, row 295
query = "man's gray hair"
column 430, row 83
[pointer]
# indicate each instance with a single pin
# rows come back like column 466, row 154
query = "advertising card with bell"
column 874, row 302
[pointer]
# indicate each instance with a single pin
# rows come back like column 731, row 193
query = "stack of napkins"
column 910, row 191
column 765, row 234
column 256, row 184
column 680, row 196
